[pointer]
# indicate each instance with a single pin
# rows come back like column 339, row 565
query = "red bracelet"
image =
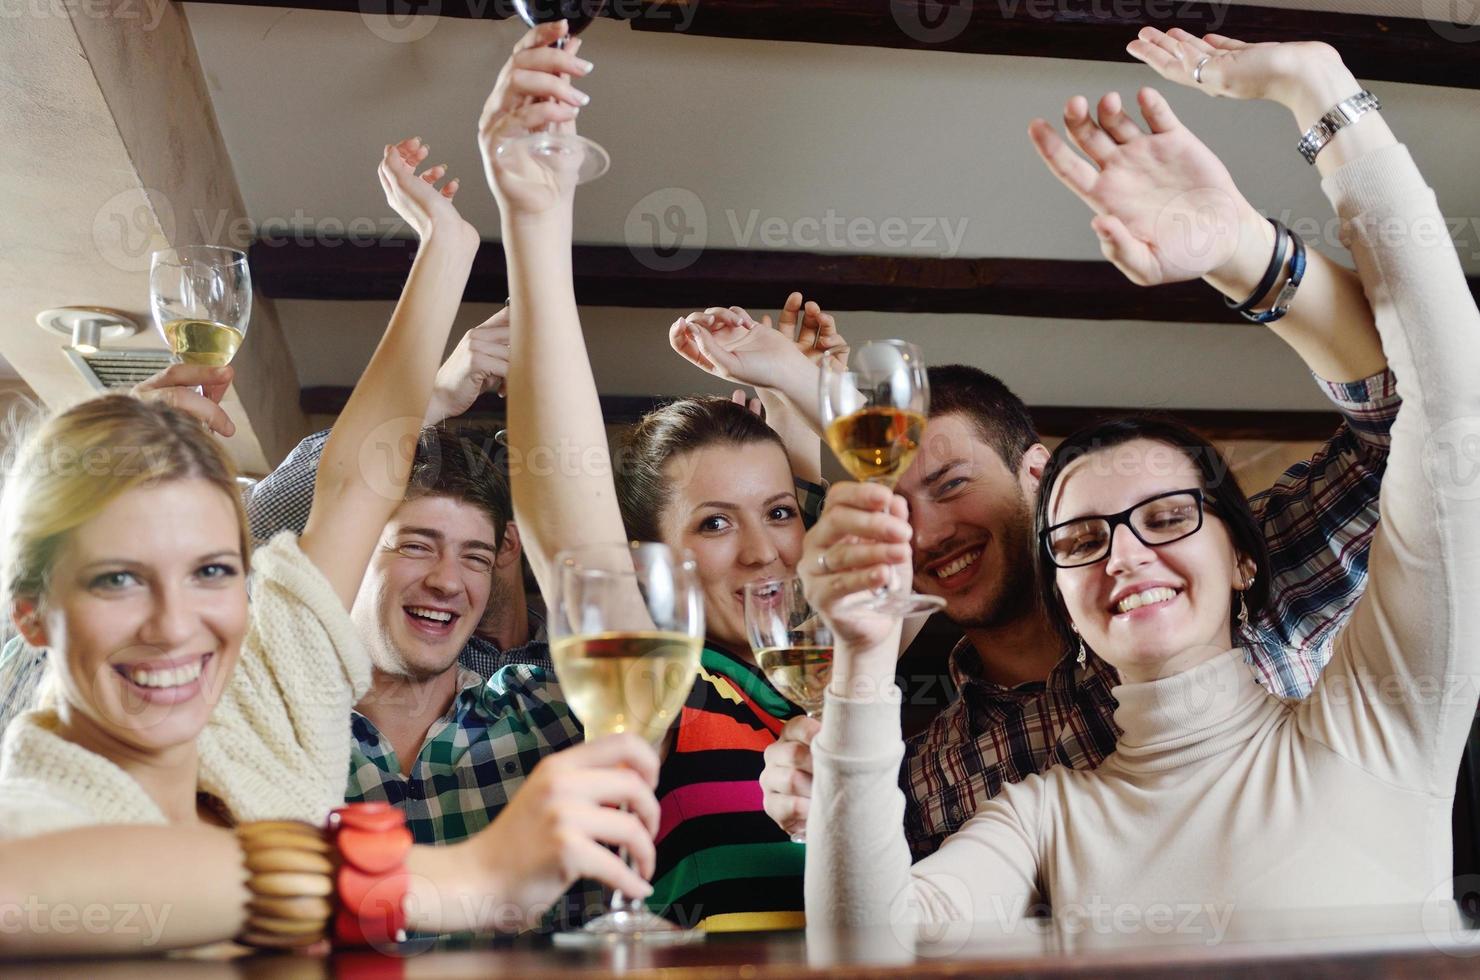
column 371, row 881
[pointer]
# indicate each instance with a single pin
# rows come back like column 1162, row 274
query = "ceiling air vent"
column 112, row 369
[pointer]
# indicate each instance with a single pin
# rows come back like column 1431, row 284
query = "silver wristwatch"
column 1346, row 112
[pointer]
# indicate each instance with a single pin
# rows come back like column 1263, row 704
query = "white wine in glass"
column 626, row 625
column 875, row 399
column 201, row 298
column 793, row 647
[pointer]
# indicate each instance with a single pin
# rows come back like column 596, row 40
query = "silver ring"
column 822, row 562
column 1197, row 72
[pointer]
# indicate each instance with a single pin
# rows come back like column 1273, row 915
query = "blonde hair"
column 77, row 462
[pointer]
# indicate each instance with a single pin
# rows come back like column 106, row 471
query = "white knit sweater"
column 1218, row 794
column 277, row 746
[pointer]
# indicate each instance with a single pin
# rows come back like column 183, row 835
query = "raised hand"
column 194, row 389
column 863, row 530
column 479, row 363
column 729, row 343
column 417, row 198
column 1236, row 69
column 531, row 93
column 1166, row 209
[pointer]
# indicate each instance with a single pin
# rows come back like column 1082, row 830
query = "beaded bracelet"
column 309, row 883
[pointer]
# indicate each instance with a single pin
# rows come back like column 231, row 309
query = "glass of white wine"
column 792, row 645
column 626, row 626
column 201, row 298
column 874, row 400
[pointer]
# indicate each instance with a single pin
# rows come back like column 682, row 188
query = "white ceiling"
column 742, row 129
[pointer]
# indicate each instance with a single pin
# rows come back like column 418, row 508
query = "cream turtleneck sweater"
column 278, row 742
column 1220, row 796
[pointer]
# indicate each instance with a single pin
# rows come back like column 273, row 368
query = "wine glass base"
column 588, row 157
column 900, row 604
column 627, row 926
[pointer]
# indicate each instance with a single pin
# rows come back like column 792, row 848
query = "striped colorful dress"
column 722, row 863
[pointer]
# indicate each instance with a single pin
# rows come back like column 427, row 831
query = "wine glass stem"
column 620, row 901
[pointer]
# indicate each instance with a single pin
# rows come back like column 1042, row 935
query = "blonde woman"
column 178, row 711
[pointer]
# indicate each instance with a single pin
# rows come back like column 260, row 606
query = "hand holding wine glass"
column 626, row 629
column 874, row 400
column 201, row 300
column 860, row 544
column 195, row 389
column 533, row 97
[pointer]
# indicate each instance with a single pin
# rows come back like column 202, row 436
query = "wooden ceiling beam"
column 1052, row 421
column 1382, row 48
column 615, row 275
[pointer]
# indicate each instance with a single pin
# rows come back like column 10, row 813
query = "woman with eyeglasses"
column 1218, row 794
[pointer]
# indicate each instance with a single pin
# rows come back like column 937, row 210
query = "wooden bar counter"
column 1430, row 942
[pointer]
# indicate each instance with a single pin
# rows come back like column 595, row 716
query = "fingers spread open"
column 1086, row 133
column 1157, row 113
column 1072, row 170
column 1114, row 121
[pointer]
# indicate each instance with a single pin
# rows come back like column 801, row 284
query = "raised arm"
column 367, row 458
column 1167, row 210
column 479, row 363
column 1395, row 696
column 559, row 456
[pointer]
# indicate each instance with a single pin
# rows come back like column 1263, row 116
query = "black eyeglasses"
column 1155, row 521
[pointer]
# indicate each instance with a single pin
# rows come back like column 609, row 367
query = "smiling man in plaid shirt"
column 453, row 725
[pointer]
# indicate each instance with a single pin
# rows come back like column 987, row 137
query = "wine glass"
column 594, row 160
column 792, row 645
column 874, row 401
column 626, row 626
column 201, row 298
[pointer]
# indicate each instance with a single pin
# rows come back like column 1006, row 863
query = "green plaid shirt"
column 472, row 762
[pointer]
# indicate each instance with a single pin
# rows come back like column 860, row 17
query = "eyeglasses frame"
column 1124, row 517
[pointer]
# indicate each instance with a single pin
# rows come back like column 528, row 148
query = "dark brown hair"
column 1222, row 495
column 1000, row 417
column 643, row 488
column 448, row 464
